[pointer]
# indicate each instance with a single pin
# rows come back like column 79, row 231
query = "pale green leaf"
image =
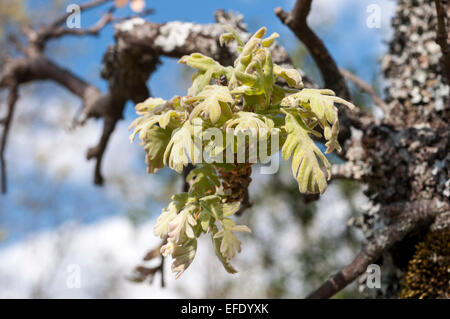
column 267, row 42
column 183, row 256
column 180, row 227
column 181, row 148
column 150, row 105
column 230, row 243
column 156, row 143
column 207, row 68
column 203, row 179
column 307, row 159
column 292, row 76
column 213, row 99
column 321, row 104
column 169, row 213
column 244, row 121
column 217, row 242
column 145, row 122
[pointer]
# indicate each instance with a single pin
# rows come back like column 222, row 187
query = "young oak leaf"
column 207, row 68
column 257, row 126
column 226, row 38
column 168, row 214
column 216, row 208
column 257, row 78
column 181, row 148
column 307, row 159
column 243, row 121
column 200, row 62
column 320, row 103
column 183, row 256
column 204, row 180
column 152, row 105
column 217, row 242
column 230, row 243
column 169, row 118
column 267, row 42
column 180, row 227
column 156, row 142
column 291, row 76
column 215, row 100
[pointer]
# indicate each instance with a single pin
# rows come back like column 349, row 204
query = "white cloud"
column 106, row 253
column 42, row 140
column 326, row 11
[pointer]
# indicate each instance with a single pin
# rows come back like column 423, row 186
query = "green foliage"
column 307, row 159
column 254, row 96
column 215, row 103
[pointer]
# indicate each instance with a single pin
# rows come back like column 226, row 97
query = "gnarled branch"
column 442, row 36
column 409, row 216
column 296, row 21
column 6, row 122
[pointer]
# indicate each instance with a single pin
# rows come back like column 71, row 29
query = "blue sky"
column 341, row 25
column 351, row 42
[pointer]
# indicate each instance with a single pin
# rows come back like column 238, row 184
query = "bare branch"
column 15, row 41
column 365, row 87
column 107, row 18
column 83, row 7
column 296, row 21
column 333, row 79
column 6, row 122
column 97, row 152
column 246, row 203
column 157, row 39
column 442, row 36
column 412, row 216
column 54, row 33
column 142, row 273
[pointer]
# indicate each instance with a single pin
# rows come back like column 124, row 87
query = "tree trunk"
column 409, row 160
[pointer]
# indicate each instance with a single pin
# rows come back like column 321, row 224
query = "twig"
column 98, row 150
column 246, row 203
column 15, row 41
column 6, row 122
column 333, row 78
column 54, row 33
column 412, row 216
column 441, row 37
column 142, row 273
column 296, row 21
column 144, row 13
column 365, row 87
column 83, row 7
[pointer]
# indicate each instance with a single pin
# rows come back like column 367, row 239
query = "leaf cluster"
column 259, row 96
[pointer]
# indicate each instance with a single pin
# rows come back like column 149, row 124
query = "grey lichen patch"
column 412, row 67
column 173, row 34
column 130, row 24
